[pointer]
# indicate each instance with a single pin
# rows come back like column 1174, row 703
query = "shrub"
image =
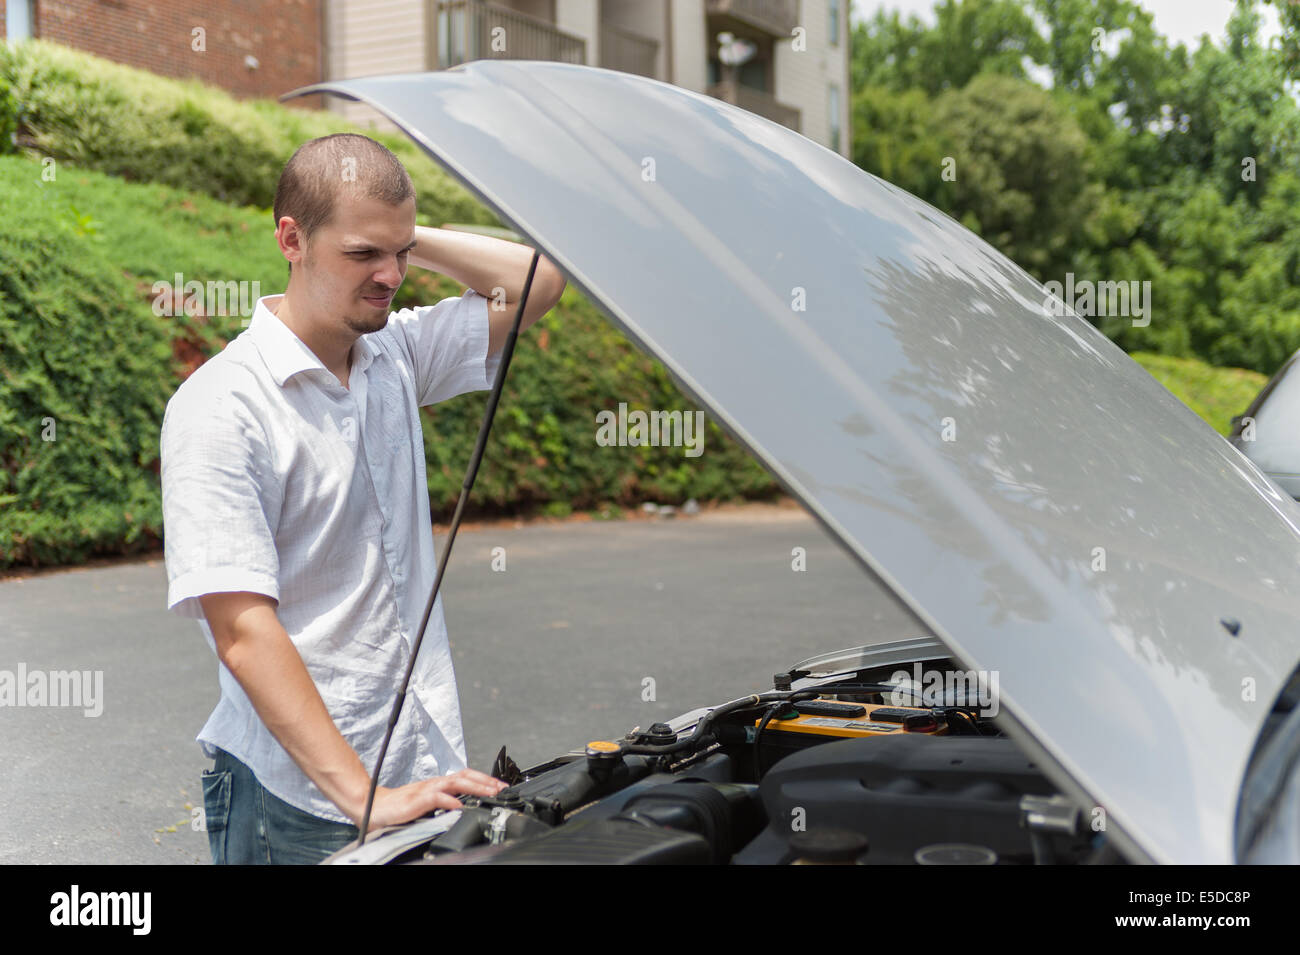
column 79, row 343
column 83, row 383
column 146, row 128
column 8, row 117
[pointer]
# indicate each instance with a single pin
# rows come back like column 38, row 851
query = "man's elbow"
column 555, row 282
column 237, row 620
column 542, row 299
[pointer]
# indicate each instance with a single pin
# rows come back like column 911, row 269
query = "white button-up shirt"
column 278, row 480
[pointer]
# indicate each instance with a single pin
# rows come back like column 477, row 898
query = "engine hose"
column 705, row 725
column 758, row 734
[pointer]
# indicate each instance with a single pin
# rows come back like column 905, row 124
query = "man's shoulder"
column 442, row 308
column 221, row 385
column 421, row 330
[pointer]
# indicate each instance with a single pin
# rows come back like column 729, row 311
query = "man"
column 296, row 511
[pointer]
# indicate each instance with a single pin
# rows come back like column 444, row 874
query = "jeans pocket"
column 216, row 811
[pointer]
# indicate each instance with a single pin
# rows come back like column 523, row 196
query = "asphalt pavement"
column 591, row 629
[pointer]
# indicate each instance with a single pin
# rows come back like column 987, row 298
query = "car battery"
column 811, row 722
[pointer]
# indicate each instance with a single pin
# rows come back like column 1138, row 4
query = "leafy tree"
column 969, row 37
column 1141, row 161
column 1288, row 13
column 1021, row 170
column 1230, row 117
column 896, row 136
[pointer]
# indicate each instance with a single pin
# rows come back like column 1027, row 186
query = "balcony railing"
column 756, row 101
column 630, row 52
column 771, row 16
column 477, row 30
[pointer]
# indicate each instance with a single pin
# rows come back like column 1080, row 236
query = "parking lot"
column 592, row 628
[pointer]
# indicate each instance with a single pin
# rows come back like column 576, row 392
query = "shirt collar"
column 284, row 352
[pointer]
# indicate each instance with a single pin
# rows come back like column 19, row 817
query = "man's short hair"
column 342, row 164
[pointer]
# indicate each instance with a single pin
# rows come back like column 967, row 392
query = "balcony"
column 468, row 30
column 630, row 52
column 756, row 101
column 777, row 17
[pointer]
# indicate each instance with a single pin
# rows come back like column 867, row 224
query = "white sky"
column 1180, row 20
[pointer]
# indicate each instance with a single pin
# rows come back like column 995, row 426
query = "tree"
column 896, row 136
column 1021, row 170
column 969, row 37
column 1230, row 118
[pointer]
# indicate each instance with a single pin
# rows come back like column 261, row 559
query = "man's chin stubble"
column 364, row 326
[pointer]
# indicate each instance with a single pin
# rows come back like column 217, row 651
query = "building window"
column 18, row 20
column 833, row 109
column 835, row 22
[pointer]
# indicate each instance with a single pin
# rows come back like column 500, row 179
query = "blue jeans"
column 249, row 826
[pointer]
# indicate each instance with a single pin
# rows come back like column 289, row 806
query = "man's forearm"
column 269, row 668
column 483, row 263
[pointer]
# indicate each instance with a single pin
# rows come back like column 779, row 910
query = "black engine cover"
column 902, row 792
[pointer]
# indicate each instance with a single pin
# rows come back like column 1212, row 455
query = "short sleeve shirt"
column 278, row 480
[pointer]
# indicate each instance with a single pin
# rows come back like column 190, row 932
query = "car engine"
column 845, row 769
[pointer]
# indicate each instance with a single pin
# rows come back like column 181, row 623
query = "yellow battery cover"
column 849, row 727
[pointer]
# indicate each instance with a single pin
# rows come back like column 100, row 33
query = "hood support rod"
column 507, row 352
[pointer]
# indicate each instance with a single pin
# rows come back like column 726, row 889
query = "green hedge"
column 8, row 117
column 567, row 368
column 79, row 343
column 101, row 115
column 83, row 383
column 1216, row 394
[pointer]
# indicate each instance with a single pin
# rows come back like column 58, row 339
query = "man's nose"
column 390, row 274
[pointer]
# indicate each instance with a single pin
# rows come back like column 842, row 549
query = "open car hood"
column 1040, row 502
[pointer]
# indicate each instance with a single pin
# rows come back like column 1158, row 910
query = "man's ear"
column 292, row 242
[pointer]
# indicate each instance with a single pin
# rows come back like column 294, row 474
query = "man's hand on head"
column 497, row 270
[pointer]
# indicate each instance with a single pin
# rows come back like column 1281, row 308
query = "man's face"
column 352, row 267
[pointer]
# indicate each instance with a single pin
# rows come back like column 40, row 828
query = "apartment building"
column 791, row 61
column 786, row 60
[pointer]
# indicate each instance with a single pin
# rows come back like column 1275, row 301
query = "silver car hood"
column 1040, row 502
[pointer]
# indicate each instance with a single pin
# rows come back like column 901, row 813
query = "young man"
column 296, row 511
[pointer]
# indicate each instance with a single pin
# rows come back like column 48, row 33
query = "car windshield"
column 1265, row 393
column 1268, row 815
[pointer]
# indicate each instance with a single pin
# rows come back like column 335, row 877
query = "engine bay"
column 851, row 768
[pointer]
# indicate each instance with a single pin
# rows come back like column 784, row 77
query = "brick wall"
column 158, row 35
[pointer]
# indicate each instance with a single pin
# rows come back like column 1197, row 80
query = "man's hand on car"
column 404, row 803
